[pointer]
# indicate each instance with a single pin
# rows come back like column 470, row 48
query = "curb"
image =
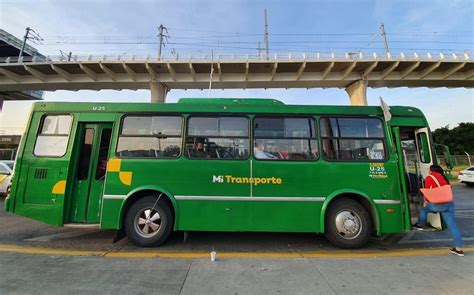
column 335, row 254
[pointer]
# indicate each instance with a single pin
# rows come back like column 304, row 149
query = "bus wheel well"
column 364, row 202
column 145, row 193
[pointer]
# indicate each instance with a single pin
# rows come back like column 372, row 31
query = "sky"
column 227, row 27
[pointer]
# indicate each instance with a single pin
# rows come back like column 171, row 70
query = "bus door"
column 414, row 153
column 90, row 161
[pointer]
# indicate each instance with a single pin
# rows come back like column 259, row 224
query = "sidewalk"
column 24, row 273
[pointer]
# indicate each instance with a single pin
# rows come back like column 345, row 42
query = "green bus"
column 222, row 165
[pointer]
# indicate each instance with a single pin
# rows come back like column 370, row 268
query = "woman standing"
column 437, row 179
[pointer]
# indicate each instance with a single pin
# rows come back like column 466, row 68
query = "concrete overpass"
column 353, row 72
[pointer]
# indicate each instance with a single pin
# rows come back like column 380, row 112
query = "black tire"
column 471, row 184
column 136, row 221
column 347, row 224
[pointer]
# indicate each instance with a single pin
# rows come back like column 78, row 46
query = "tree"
column 459, row 139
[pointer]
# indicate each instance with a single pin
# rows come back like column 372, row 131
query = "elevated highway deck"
column 354, row 72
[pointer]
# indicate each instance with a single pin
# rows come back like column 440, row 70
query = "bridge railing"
column 281, row 57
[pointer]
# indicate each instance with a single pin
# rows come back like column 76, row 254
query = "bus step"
column 82, row 225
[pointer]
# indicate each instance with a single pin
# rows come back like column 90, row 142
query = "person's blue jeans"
column 447, row 213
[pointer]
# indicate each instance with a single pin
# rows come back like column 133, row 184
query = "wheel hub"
column 147, row 222
column 348, row 224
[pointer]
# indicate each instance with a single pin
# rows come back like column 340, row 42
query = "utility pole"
column 162, row 36
column 212, row 72
column 35, row 37
column 266, row 34
column 24, row 42
column 384, row 36
column 259, row 51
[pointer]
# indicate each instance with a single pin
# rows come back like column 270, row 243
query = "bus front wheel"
column 347, row 224
column 148, row 222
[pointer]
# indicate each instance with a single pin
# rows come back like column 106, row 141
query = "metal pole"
column 384, row 35
column 160, row 28
column 24, row 43
column 212, row 72
column 266, row 34
column 259, row 51
column 469, row 159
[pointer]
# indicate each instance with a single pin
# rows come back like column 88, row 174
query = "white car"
column 6, row 171
column 467, row 176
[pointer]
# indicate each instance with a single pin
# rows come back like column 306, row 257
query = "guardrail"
column 348, row 56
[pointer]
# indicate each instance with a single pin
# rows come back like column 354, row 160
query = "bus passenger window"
column 53, row 136
column 285, row 139
column 150, row 137
column 353, row 139
column 86, row 148
column 217, row 138
column 103, row 153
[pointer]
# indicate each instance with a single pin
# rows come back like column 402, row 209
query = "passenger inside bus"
column 260, row 153
column 198, row 151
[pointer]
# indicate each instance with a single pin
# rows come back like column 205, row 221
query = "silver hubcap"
column 348, row 224
column 147, row 222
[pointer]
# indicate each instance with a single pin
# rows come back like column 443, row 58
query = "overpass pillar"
column 158, row 92
column 358, row 93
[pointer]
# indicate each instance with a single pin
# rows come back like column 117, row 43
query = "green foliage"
column 459, row 139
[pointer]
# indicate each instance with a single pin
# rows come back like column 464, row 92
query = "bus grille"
column 41, row 173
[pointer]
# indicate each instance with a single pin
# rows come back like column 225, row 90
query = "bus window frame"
column 40, row 126
column 423, row 146
column 384, row 139
column 316, row 136
column 151, row 114
column 217, row 115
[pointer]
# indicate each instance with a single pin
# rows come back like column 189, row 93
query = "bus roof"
column 223, row 105
column 244, row 101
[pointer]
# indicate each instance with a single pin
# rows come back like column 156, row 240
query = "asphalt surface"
column 47, row 260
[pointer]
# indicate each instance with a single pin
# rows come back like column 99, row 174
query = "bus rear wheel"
column 347, row 224
column 148, row 222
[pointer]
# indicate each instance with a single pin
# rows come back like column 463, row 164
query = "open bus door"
column 415, row 155
column 89, row 160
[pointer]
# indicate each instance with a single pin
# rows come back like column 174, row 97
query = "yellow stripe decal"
column 114, row 165
column 126, row 177
column 59, row 188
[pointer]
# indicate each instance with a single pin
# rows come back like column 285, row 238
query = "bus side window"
column 53, row 136
column 217, row 138
column 353, row 139
column 150, row 137
column 282, row 138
